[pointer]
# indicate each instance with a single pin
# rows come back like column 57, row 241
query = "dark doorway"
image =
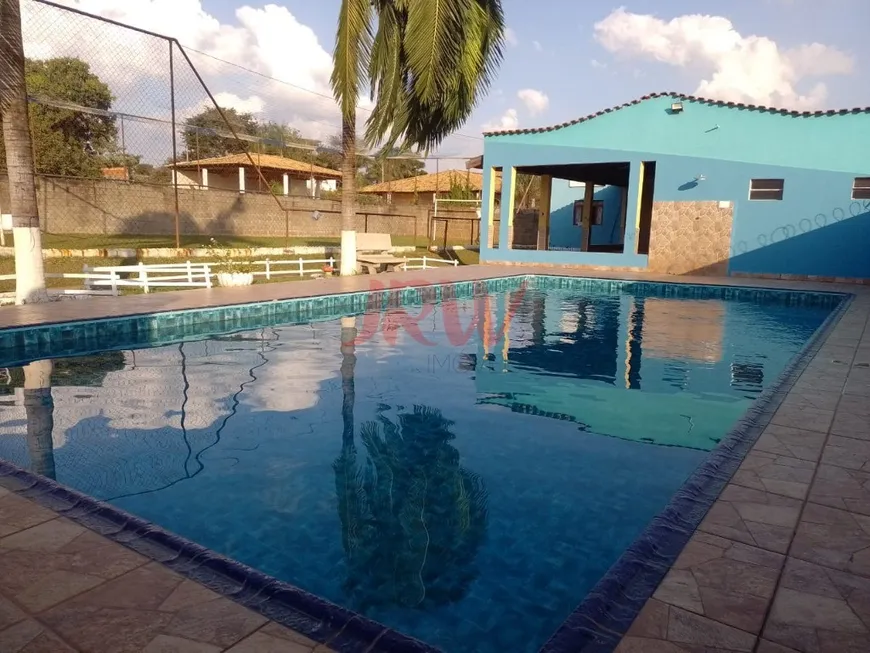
column 647, row 193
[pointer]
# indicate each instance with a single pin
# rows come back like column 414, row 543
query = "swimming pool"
column 461, row 463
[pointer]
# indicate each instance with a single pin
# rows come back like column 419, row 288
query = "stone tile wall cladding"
column 690, row 238
column 104, row 206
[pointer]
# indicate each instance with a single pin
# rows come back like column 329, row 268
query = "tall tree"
column 426, row 63
column 280, row 139
column 389, row 166
column 29, row 270
column 67, row 140
column 207, row 135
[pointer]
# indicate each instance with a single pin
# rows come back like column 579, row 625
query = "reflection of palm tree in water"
column 412, row 518
column 39, row 411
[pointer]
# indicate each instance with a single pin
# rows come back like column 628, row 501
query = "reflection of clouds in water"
column 296, row 371
column 146, row 425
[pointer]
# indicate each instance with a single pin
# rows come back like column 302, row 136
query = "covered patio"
column 593, row 208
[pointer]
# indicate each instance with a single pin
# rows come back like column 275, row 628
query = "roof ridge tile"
column 690, row 98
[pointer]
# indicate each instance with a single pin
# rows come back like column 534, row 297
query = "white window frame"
column 766, row 194
column 862, row 185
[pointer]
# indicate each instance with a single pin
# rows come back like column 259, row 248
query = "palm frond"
column 387, row 74
column 353, row 48
column 451, row 52
column 430, row 44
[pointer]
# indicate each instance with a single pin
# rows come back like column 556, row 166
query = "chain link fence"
column 130, row 141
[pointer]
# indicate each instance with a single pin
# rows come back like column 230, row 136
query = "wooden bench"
column 373, row 253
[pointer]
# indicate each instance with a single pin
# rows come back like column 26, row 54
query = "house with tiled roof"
column 678, row 184
column 256, row 172
column 423, row 189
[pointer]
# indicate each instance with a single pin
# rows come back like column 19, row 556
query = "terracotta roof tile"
column 441, row 181
column 265, row 161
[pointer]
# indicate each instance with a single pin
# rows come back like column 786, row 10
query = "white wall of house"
column 228, row 179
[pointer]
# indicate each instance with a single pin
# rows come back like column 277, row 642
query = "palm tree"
column 29, row 272
column 426, row 63
column 39, row 409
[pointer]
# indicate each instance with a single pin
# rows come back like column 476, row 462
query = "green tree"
column 66, row 140
column 280, row 139
column 384, row 168
column 427, row 64
column 207, row 134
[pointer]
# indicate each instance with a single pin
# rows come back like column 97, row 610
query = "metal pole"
column 174, row 146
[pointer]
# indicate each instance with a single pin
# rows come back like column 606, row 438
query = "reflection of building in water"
column 591, row 350
column 683, row 329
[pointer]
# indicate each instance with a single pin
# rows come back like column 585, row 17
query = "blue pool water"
column 466, row 486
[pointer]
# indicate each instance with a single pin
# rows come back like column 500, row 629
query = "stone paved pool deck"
column 780, row 563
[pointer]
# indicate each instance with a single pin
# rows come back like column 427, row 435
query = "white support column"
column 313, row 183
column 241, row 179
column 286, row 184
column 204, row 180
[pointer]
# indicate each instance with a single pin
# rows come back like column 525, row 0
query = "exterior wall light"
column 676, row 107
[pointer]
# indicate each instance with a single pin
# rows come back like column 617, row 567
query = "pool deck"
column 780, row 563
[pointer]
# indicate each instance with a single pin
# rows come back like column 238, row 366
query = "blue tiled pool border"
column 605, row 614
column 20, row 345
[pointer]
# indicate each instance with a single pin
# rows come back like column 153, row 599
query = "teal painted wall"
column 563, row 233
column 817, row 229
column 839, row 142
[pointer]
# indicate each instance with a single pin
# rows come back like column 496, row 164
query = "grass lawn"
column 74, row 241
column 75, row 264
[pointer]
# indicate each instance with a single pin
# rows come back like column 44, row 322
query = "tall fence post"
column 268, row 270
column 86, row 269
column 189, row 273
column 174, row 145
column 301, row 269
column 207, row 276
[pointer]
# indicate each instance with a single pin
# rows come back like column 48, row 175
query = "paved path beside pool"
column 65, row 588
column 780, row 564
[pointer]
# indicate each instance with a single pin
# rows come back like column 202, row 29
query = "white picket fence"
column 109, row 279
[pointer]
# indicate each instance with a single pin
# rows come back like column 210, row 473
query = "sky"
column 563, row 59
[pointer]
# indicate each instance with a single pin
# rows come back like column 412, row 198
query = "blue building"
column 684, row 185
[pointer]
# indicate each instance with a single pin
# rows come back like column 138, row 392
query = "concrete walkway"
column 65, row 588
column 780, row 564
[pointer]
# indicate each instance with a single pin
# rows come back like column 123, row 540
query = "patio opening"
column 576, row 207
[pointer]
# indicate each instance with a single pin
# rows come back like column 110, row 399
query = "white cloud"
column 734, row 67
column 535, row 101
column 537, row 46
column 253, row 104
column 511, row 36
column 508, row 121
column 597, row 64
column 268, row 40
